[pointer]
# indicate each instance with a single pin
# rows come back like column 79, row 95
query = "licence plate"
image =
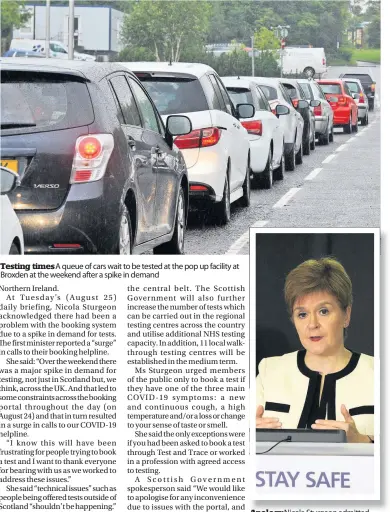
column 12, row 165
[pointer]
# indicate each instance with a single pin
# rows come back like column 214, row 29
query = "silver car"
column 323, row 114
column 361, row 100
column 11, row 235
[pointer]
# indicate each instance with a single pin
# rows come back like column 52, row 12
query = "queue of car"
column 110, row 157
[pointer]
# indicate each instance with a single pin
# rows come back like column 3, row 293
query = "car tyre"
column 14, row 249
column 299, row 155
column 125, row 235
column 309, row 71
column 365, row 120
column 307, row 145
column 290, row 161
column 246, row 187
column 267, row 176
column 355, row 128
column 176, row 244
column 324, row 138
column 331, row 134
column 348, row 127
column 279, row 171
column 222, row 209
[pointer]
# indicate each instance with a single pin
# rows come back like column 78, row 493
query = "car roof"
column 189, row 68
column 263, row 80
column 93, row 71
column 331, row 81
column 291, row 81
column 348, row 79
column 237, row 81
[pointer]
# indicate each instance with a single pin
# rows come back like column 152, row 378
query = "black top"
column 314, row 408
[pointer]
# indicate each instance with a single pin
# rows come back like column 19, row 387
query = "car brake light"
column 372, row 87
column 92, row 153
column 90, row 147
column 361, row 98
column 295, row 102
column 273, row 110
column 254, row 127
column 324, row 61
column 318, row 110
column 198, row 138
column 198, row 188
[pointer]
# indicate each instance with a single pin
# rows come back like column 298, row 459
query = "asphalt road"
column 336, row 186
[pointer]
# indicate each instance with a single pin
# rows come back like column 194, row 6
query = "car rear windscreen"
column 365, row 79
column 31, row 102
column 269, row 92
column 174, row 95
column 353, row 86
column 331, row 88
column 240, row 95
column 307, row 91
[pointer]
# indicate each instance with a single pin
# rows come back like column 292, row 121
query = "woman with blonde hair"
column 325, row 385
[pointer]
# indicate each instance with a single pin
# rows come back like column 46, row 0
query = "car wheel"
column 331, row 135
column 371, row 106
column 125, row 242
column 365, row 120
column 246, row 187
column 222, row 209
column 267, row 176
column 309, row 71
column 313, row 142
column 278, row 173
column 299, row 155
column 324, row 138
column 348, row 127
column 176, row 244
column 306, row 145
column 14, row 249
column 355, row 128
column 290, row 161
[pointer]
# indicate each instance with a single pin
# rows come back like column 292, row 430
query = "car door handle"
column 131, row 142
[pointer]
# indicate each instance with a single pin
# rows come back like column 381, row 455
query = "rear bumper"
column 362, row 111
column 82, row 219
column 210, row 171
column 321, row 124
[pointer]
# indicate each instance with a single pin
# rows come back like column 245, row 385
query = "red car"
column 343, row 104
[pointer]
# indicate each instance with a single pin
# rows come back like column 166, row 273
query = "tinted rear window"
column 291, row 91
column 363, row 78
column 307, row 91
column 35, row 103
column 353, row 86
column 240, row 95
column 331, row 88
column 175, row 95
column 269, row 92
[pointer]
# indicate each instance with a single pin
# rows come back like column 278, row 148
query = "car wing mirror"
column 8, row 181
column 245, row 110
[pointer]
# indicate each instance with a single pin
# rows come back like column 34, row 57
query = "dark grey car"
column 98, row 169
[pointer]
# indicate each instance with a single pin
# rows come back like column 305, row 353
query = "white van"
column 57, row 49
column 311, row 61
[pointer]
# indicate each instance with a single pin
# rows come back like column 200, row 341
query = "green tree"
column 166, row 28
column 265, row 39
column 13, row 15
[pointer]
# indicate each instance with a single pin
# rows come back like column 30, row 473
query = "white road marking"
column 340, row 148
column 351, row 139
column 313, row 173
column 359, row 134
column 286, row 198
column 241, row 242
column 329, row 158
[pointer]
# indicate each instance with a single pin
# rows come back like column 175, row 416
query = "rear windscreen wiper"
column 12, row 124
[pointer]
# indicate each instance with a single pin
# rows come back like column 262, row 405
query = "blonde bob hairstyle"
column 324, row 274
